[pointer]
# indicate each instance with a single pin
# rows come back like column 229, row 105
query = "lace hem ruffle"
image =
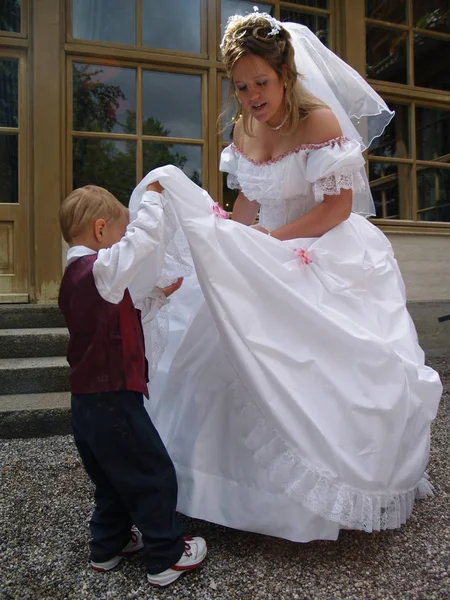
column 345, row 179
column 312, row 487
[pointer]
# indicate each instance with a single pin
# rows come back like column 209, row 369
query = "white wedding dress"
column 292, row 395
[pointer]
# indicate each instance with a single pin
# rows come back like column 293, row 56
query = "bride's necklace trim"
column 278, row 127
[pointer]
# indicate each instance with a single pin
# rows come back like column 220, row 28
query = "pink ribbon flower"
column 219, row 212
column 303, row 254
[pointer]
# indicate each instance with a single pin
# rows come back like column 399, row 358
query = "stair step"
column 36, row 342
column 34, row 375
column 34, row 415
column 17, row 316
column 41, row 401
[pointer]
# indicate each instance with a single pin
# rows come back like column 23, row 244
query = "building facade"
column 102, row 91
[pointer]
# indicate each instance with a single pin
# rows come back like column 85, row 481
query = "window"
column 315, row 14
column 174, row 25
column 407, row 56
column 10, row 16
column 127, row 121
column 9, row 130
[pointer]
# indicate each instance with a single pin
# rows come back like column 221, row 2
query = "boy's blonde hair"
column 85, row 205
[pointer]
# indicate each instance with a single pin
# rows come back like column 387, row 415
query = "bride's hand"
column 155, row 187
column 173, row 287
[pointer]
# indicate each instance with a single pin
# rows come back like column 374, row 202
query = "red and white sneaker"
column 134, row 545
column 195, row 551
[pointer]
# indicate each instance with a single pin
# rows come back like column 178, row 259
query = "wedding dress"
column 289, row 386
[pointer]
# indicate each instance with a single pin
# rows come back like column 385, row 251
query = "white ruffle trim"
column 177, row 263
column 159, row 339
column 259, row 183
column 233, row 182
column 311, row 486
column 344, row 179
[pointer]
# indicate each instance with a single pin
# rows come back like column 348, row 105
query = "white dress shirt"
column 115, row 267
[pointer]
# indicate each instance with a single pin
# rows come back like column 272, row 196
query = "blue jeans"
column 134, row 478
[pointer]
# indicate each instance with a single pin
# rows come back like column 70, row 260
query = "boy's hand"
column 155, row 187
column 173, row 287
column 261, row 229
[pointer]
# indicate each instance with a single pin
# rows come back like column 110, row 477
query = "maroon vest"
column 106, row 350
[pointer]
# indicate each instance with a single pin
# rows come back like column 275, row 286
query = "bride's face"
column 259, row 89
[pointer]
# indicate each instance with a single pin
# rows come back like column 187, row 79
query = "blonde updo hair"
column 253, row 34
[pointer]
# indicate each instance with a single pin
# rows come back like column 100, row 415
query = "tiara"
column 274, row 24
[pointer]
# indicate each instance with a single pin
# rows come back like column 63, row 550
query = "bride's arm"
column 320, row 219
column 244, row 210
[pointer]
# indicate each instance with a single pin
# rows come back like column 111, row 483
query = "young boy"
column 120, row 448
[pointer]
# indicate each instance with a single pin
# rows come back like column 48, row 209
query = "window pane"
column 433, row 192
column 315, row 3
column 10, row 15
column 395, row 140
column 240, row 7
column 228, row 196
column 172, row 24
column 433, row 134
column 172, row 105
column 387, row 54
column 111, row 21
column 104, row 99
column 392, row 12
column 229, row 110
column 318, row 24
column 108, row 163
column 391, row 190
column 9, row 91
column 9, row 169
column 186, row 157
column 431, row 62
column 432, row 14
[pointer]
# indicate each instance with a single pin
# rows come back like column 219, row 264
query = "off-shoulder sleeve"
column 334, row 166
column 229, row 164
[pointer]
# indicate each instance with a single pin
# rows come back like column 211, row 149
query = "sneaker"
column 134, row 545
column 194, row 554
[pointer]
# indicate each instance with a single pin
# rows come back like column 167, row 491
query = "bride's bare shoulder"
column 320, row 126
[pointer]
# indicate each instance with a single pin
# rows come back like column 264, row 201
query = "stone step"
column 34, row 375
column 36, row 342
column 18, row 316
column 34, row 415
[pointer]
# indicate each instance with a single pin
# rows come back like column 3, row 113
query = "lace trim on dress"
column 302, row 147
column 345, row 179
column 313, row 487
column 233, row 182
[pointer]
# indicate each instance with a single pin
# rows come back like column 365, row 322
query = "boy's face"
column 112, row 231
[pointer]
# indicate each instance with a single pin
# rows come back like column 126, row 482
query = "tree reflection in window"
column 10, row 16
column 98, row 106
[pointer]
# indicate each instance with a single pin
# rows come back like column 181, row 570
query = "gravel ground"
column 46, row 501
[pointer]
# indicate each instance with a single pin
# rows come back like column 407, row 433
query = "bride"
column 291, row 394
